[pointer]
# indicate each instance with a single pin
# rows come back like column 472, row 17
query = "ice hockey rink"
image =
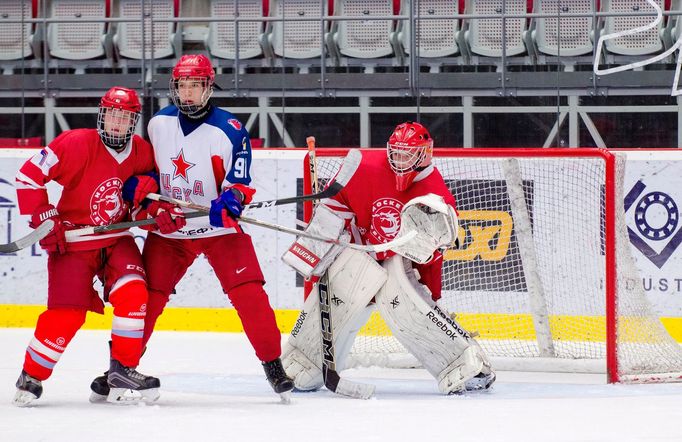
column 213, row 389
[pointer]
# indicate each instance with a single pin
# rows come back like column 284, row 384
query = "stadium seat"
column 564, row 37
column 436, row 38
column 222, row 35
column 299, row 40
column 362, row 39
column 17, row 41
column 484, row 36
column 21, row 142
column 80, row 40
column 162, row 39
column 643, row 43
column 673, row 29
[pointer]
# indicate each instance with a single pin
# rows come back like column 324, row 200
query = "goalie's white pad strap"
column 354, row 279
column 435, row 222
column 444, row 348
column 309, row 257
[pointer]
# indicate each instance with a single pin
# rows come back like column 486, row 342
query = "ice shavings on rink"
column 214, row 389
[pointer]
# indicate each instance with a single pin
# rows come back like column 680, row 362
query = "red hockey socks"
column 157, row 301
column 258, row 319
column 54, row 331
column 130, row 307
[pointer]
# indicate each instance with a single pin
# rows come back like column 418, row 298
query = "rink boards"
column 201, row 305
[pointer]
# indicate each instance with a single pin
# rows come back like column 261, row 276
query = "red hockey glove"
column 55, row 241
column 136, row 188
column 169, row 218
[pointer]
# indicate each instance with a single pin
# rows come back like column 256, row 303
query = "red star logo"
column 181, row 166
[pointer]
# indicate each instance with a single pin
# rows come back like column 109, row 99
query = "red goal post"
column 541, row 273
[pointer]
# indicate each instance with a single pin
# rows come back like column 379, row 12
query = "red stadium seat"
column 21, row 142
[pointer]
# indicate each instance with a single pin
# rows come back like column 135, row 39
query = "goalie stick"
column 332, row 380
column 256, row 222
column 348, row 167
column 331, row 377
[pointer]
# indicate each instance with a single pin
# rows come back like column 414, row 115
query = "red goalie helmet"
column 410, row 148
column 191, row 84
column 119, row 111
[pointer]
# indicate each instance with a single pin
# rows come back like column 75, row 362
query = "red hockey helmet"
column 119, row 111
column 191, row 84
column 409, row 151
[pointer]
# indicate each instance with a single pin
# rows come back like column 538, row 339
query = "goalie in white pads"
column 391, row 193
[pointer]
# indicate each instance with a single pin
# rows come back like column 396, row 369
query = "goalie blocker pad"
column 435, row 222
column 354, row 279
column 444, row 348
column 310, row 257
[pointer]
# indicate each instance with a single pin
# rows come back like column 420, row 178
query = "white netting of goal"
column 530, row 275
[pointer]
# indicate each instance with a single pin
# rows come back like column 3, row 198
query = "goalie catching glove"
column 435, row 222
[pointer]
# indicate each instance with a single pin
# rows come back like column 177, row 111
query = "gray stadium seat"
column 484, row 37
column 436, row 37
column 161, row 39
column 221, row 38
column 364, row 39
column 295, row 39
column 642, row 43
column 567, row 36
column 81, row 40
column 17, row 40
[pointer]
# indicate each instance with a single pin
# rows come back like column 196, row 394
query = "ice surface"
column 213, row 389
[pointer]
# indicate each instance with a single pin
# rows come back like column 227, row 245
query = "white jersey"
column 197, row 160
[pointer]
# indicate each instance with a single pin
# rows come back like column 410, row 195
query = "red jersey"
column 92, row 176
column 371, row 206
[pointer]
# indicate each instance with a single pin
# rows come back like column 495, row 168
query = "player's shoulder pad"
column 74, row 139
column 229, row 124
column 168, row 111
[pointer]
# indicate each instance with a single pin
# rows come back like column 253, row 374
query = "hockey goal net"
column 544, row 272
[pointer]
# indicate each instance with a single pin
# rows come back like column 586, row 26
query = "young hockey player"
column 204, row 156
column 392, row 191
column 92, row 166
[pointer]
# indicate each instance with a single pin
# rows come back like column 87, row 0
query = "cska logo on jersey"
column 106, row 204
column 181, row 166
column 234, row 123
column 385, row 219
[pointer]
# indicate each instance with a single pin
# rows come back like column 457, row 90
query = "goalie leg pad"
column 354, row 279
column 444, row 348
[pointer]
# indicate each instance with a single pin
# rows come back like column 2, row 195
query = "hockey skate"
column 278, row 379
column 99, row 388
column 28, row 390
column 127, row 385
column 480, row 382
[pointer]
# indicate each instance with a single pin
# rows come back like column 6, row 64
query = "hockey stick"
column 41, row 232
column 256, row 222
column 331, row 377
column 46, row 227
column 119, row 226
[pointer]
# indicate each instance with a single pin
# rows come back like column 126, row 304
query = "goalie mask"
column 410, row 149
column 191, row 84
column 119, row 111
